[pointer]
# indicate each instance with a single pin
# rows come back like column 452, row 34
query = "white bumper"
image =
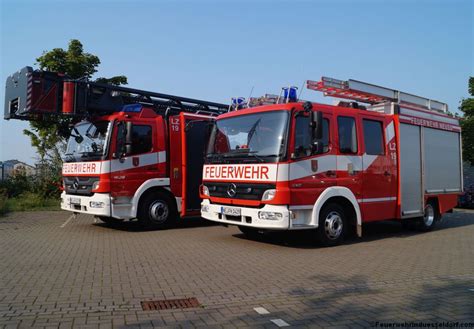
column 248, row 217
column 97, row 205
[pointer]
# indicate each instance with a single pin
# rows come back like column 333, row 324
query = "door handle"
column 387, row 173
column 330, row 173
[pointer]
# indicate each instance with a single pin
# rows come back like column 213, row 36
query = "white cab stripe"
column 143, row 160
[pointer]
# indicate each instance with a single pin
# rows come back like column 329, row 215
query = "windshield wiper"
column 252, row 131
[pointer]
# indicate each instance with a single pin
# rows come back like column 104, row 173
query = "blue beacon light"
column 290, row 94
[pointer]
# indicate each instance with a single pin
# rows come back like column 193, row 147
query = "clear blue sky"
column 218, row 49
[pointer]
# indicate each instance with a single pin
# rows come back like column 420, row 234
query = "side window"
column 142, row 140
column 347, row 135
column 373, row 137
column 303, row 136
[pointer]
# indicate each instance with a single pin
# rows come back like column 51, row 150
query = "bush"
column 32, row 201
column 3, row 201
column 16, row 184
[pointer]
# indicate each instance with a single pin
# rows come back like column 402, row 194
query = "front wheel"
column 332, row 225
column 430, row 217
column 157, row 211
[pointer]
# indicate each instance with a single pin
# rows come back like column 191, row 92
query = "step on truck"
column 276, row 163
column 130, row 153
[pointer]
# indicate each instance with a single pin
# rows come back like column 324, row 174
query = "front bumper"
column 249, row 216
column 85, row 204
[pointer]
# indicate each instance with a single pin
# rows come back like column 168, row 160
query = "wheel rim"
column 159, row 211
column 333, row 225
column 428, row 217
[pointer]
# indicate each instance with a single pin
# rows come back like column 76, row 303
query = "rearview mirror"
column 123, row 145
column 317, row 124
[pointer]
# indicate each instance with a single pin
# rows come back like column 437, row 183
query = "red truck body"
column 388, row 161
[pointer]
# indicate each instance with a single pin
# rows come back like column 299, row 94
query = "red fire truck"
column 289, row 165
column 130, row 154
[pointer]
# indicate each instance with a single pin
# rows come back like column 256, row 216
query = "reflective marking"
column 393, row 198
column 67, row 221
column 310, row 206
column 389, row 132
column 261, row 310
column 280, row 322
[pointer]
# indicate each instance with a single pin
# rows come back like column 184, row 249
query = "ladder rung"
column 371, row 94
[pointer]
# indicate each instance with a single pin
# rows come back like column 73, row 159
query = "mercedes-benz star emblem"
column 231, row 190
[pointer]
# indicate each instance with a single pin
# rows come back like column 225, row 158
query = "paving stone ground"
column 59, row 274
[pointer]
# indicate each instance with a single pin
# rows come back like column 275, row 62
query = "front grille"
column 79, row 185
column 243, row 191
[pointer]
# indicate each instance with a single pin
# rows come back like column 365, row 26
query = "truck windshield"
column 259, row 137
column 88, row 141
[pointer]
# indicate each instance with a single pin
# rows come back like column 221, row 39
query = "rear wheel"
column 156, row 210
column 430, row 217
column 332, row 225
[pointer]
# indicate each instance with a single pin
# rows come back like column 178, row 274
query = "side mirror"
column 317, row 124
column 123, row 145
column 128, row 138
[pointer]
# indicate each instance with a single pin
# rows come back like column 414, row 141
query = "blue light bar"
column 135, row 108
column 238, row 102
column 290, row 94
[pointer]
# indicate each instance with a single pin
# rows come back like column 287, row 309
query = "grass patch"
column 26, row 202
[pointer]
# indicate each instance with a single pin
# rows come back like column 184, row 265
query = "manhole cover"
column 167, row 304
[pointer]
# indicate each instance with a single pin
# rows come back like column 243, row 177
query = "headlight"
column 270, row 215
column 205, row 190
column 95, row 185
column 95, row 204
column 268, row 195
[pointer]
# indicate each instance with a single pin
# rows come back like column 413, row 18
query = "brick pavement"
column 88, row 275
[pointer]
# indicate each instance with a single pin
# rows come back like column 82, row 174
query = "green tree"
column 467, row 124
column 49, row 136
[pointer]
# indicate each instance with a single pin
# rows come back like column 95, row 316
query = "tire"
column 157, row 211
column 333, row 225
column 109, row 220
column 250, row 232
column 430, row 218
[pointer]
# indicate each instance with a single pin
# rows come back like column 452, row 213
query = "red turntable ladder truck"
column 290, row 165
column 130, row 154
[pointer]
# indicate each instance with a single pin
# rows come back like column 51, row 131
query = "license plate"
column 75, row 200
column 230, row 211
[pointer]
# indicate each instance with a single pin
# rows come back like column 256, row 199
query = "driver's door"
column 310, row 174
